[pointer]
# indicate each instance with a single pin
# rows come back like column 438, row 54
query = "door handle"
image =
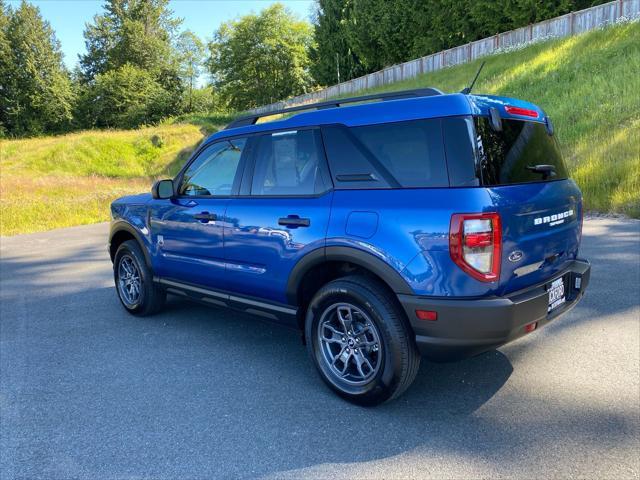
column 205, row 217
column 291, row 221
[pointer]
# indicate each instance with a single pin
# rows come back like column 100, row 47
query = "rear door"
column 281, row 214
column 188, row 230
column 540, row 207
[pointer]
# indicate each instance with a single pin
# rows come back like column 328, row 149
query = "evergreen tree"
column 35, row 88
column 5, row 52
column 331, row 52
column 131, row 41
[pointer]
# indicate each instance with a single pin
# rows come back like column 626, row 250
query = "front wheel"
column 134, row 281
column 360, row 342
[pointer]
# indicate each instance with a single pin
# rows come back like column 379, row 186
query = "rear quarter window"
column 392, row 155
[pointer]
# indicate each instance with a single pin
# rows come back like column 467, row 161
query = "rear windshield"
column 522, row 152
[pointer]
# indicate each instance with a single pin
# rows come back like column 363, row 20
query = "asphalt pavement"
column 87, row 391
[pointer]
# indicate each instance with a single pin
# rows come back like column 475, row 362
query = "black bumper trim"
column 467, row 327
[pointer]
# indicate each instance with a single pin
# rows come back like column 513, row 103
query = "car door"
column 188, row 230
column 281, row 213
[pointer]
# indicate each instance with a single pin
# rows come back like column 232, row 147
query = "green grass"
column 589, row 84
column 60, row 181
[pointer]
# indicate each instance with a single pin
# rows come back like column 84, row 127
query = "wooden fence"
column 570, row 24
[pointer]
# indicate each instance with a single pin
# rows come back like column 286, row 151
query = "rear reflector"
column 525, row 112
column 427, row 315
column 531, row 327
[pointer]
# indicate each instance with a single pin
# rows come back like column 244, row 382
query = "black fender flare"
column 345, row 254
column 122, row 225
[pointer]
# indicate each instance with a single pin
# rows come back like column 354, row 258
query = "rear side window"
column 522, row 152
column 391, row 155
column 288, row 163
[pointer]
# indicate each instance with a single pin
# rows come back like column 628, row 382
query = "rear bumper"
column 467, row 327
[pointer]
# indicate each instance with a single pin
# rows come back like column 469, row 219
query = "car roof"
column 386, row 111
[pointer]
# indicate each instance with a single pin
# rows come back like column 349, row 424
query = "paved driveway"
column 89, row 392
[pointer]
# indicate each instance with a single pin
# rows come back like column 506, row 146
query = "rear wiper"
column 546, row 170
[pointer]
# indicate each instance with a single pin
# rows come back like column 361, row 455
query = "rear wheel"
column 360, row 341
column 134, row 281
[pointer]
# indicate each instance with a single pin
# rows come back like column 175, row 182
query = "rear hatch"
column 540, row 207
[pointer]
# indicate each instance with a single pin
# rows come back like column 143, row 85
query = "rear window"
column 391, row 155
column 517, row 154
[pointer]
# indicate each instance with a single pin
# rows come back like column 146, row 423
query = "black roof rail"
column 420, row 92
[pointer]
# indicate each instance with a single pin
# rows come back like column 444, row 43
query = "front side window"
column 213, row 172
column 288, row 163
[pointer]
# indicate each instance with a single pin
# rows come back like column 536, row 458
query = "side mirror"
column 162, row 189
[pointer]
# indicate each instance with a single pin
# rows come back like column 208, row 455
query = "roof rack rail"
column 420, row 92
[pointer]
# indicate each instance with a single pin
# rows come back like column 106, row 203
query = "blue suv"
column 385, row 228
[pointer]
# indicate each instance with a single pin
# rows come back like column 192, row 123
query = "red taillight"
column 525, row 112
column 531, row 327
column 475, row 244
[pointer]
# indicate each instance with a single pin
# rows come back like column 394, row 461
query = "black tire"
column 398, row 358
column 150, row 298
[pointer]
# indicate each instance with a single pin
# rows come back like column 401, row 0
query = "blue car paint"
column 260, row 253
column 187, row 249
column 246, row 251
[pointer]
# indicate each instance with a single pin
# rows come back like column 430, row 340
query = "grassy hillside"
column 51, row 182
column 589, row 84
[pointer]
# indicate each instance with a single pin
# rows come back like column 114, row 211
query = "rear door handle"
column 205, row 216
column 294, row 221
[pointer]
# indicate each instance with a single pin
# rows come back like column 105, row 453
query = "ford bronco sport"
column 385, row 227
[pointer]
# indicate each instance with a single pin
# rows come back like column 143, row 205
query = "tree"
column 132, row 42
column 36, row 94
column 191, row 55
column 5, row 53
column 125, row 97
column 331, row 52
column 261, row 58
column 374, row 34
column 137, row 32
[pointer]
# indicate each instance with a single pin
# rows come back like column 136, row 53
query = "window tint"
column 403, row 154
column 288, row 163
column 510, row 156
column 461, row 159
column 212, row 173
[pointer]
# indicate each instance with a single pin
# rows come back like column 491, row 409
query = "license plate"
column 556, row 294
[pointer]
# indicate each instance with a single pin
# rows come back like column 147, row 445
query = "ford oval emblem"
column 515, row 256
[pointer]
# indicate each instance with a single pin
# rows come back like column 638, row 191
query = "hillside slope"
column 60, row 181
column 589, row 84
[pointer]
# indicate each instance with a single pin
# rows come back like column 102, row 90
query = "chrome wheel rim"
column 350, row 343
column 129, row 280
